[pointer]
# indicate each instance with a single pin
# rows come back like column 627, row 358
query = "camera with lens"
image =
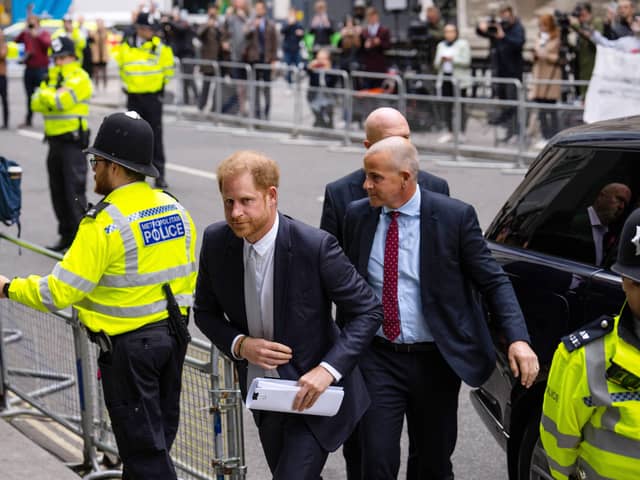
column 492, row 25
column 562, row 18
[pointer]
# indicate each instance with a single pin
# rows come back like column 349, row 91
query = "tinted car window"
column 572, row 207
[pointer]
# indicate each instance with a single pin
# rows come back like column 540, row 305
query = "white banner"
column 614, row 89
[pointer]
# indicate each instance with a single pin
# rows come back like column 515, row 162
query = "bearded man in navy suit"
column 263, row 297
column 425, row 257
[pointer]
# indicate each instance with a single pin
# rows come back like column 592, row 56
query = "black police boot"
column 161, row 183
column 62, row 245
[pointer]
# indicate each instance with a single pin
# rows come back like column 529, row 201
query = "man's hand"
column 313, row 384
column 265, row 354
column 499, row 32
column 3, row 281
column 523, row 362
column 483, row 26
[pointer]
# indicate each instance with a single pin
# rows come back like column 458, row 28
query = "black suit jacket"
column 340, row 193
column 454, row 262
column 310, row 272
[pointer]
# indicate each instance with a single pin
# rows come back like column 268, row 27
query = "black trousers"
column 423, row 387
column 448, row 108
column 292, row 452
column 141, row 378
column 263, row 75
column 149, row 106
column 67, row 167
column 5, row 105
column 508, row 115
column 32, row 79
column 204, row 93
column 188, row 83
column 548, row 119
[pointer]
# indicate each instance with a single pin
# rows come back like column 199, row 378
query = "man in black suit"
column 381, row 123
column 263, row 297
column 424, row 255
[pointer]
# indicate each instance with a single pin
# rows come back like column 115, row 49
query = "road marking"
column 30, row 134
column 191, row 171
column 169, row 166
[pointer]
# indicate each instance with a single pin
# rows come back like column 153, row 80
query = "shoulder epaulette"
column 94, row 210
column 588, row 333
column 170, row 195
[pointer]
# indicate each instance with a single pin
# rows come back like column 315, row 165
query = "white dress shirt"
column 262, row 327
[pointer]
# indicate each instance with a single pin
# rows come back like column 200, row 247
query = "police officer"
column 128, row 248
column 63, row 100
column 146, row 65
column 74, row 33
column 590, row 424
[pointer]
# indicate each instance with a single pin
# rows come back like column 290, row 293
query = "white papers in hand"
column 277, row 395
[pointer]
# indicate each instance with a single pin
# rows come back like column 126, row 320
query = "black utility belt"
column 385, row 344
column 80, row 137
column 105, row 342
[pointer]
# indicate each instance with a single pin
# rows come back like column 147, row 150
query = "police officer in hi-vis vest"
column 146, row 66
column 590, row 424
column 130, row 274
column 63, row 100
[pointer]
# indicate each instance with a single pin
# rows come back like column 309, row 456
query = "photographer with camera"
column 36, row 59
column 507, row 37
column 582, row 21
column 618, row 21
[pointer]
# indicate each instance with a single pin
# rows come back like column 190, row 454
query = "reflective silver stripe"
column 58, row 102
column 589, row 472
column 595, row 357
column 129, row 241
column 142, row 74
column 74, row 96
column 140, row 62
column 187, row 229
column 564, row 440
column 145, row 279
column 45, row 294
column 72, row 279
column 64, row 117
column 611, row 442
column 134, row 312
column 559, row 468
column 610, row 417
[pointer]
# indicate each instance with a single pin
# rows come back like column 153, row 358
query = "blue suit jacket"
column 310, row 272
column 340, row 193
column 454, row 262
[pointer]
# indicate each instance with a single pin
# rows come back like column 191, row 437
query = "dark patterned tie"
column 391, row 323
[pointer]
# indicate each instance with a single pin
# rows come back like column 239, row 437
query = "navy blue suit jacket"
column 310, row 272
column 455, row 262
column 340, row 193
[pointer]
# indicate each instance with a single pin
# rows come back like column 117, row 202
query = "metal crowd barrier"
column 238, row 86
column 42, row 375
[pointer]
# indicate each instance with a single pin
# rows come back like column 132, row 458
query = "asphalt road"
column 193, row 152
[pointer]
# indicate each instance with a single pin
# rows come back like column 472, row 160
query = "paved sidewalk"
column 21, row 458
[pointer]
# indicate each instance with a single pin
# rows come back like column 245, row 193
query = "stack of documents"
column 277, row 395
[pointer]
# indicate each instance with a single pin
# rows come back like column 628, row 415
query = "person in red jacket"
column 36, row 59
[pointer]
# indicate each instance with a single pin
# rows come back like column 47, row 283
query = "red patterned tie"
column 391, row 323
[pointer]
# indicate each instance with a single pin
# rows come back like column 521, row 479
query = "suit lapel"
column 428, row 234
column 281, row 268
column 369, row 225
column 234, row 279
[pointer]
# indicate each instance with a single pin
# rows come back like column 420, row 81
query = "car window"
column 572, row 205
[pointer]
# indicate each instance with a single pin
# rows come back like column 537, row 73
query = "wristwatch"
column 5, row 289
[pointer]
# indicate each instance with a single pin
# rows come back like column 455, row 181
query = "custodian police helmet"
column 61, row 46
column 628, row 262
column 126, row 139
column 145, row 19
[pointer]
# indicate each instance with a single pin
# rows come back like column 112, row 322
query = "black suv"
column 547, row 239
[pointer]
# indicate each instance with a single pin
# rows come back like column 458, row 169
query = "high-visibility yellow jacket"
column 63, row 99
column 79, row 40
column 147, row 68
column 134, row 241
column 590, row 424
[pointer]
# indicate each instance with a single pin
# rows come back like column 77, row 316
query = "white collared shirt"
column 264, row 250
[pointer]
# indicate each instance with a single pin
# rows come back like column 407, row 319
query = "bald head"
column 611, row 202
column 401, row 154
column 385, row 122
